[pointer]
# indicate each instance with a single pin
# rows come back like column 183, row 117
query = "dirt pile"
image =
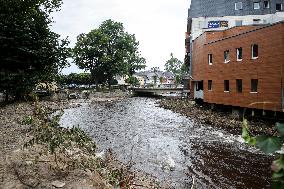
column 35, row 166
column 225, row 120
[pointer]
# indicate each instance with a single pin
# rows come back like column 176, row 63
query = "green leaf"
column 268, row 144
column 278, row 165
column 245, row 134
column 252, row 141
column 277, row 185
column 280, row 128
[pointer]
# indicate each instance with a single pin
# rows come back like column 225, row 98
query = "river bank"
column 35, row 166
column 220, row 119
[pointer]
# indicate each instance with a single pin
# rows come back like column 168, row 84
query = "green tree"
column 132, row 80
column 108, row 51
column 177, row 67
column 75, row 78
column 29, row 51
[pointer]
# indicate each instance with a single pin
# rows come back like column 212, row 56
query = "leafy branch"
column 269, row 144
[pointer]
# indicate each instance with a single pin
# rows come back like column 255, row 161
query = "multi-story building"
column 235, row 52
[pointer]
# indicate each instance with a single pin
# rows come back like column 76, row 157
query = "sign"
column 213, row 24
column 224, row 24
column 218, row 24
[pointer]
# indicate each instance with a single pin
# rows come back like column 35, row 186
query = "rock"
column 169, row 164
column 100, row 155
column 58, row 184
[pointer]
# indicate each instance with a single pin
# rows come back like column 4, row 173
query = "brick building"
column 235, row 52
column 242, row 67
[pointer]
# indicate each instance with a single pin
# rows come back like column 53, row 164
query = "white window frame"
column 281, row 6
column 210, row 59
column 227, row 60
column 238, row 52
column 255, row 3
column 268, row 5
column 239, row 3
column 252, row 48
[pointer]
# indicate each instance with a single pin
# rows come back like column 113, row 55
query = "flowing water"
column 171, row 147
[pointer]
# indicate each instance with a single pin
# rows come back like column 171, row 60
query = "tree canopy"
column 74, row 78
column 177, row 67
column 29, row 51
column 108, row 51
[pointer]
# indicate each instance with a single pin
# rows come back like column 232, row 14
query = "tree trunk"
column 97, row 85
column 6, row 96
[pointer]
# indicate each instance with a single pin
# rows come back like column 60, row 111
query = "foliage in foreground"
column 47, row 132
column 270, row 144
column 29, row 51
column 72, row 148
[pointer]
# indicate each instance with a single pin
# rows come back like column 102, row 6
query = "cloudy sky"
column 159, row 25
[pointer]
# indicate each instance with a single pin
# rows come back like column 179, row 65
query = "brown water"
column 154, row 138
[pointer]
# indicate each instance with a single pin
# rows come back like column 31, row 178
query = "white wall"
column 199, row 25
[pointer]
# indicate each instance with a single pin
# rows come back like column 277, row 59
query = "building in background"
column 235, row 53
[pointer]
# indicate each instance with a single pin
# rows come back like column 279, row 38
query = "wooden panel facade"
column 268, row 68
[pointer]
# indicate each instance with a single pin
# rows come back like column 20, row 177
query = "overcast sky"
column 159, row 25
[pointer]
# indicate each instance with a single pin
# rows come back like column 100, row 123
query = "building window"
column 199, row 85
column 239, row 85
column 239, row 54
column 238, row 6
column 256, row 5
column 254, row 83
column 226, row 86
column 254, row 51
column 226, row 56
column 266, row 5
column 210, row 59
column 239, row 22
column 278, row 6
column 209, row 85
column 256, row 21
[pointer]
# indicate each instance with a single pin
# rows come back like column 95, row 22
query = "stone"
column 58, row 184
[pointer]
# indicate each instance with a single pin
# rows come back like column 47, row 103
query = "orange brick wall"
column 267, row 68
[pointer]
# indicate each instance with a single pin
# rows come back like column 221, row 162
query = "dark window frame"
column 239, row 85
column 281, row 6
column 210, row 85
column 254, row 51
column 254, row 85
column 226, row 85
column 266, row 4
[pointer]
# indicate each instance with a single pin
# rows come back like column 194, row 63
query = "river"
column 171, row 147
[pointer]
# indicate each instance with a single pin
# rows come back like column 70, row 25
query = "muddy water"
column 171, row 147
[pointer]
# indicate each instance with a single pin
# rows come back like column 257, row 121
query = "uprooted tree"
column 108, row 51
column 29, row 51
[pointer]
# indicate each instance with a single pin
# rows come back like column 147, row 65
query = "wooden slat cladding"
column 268, row 68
